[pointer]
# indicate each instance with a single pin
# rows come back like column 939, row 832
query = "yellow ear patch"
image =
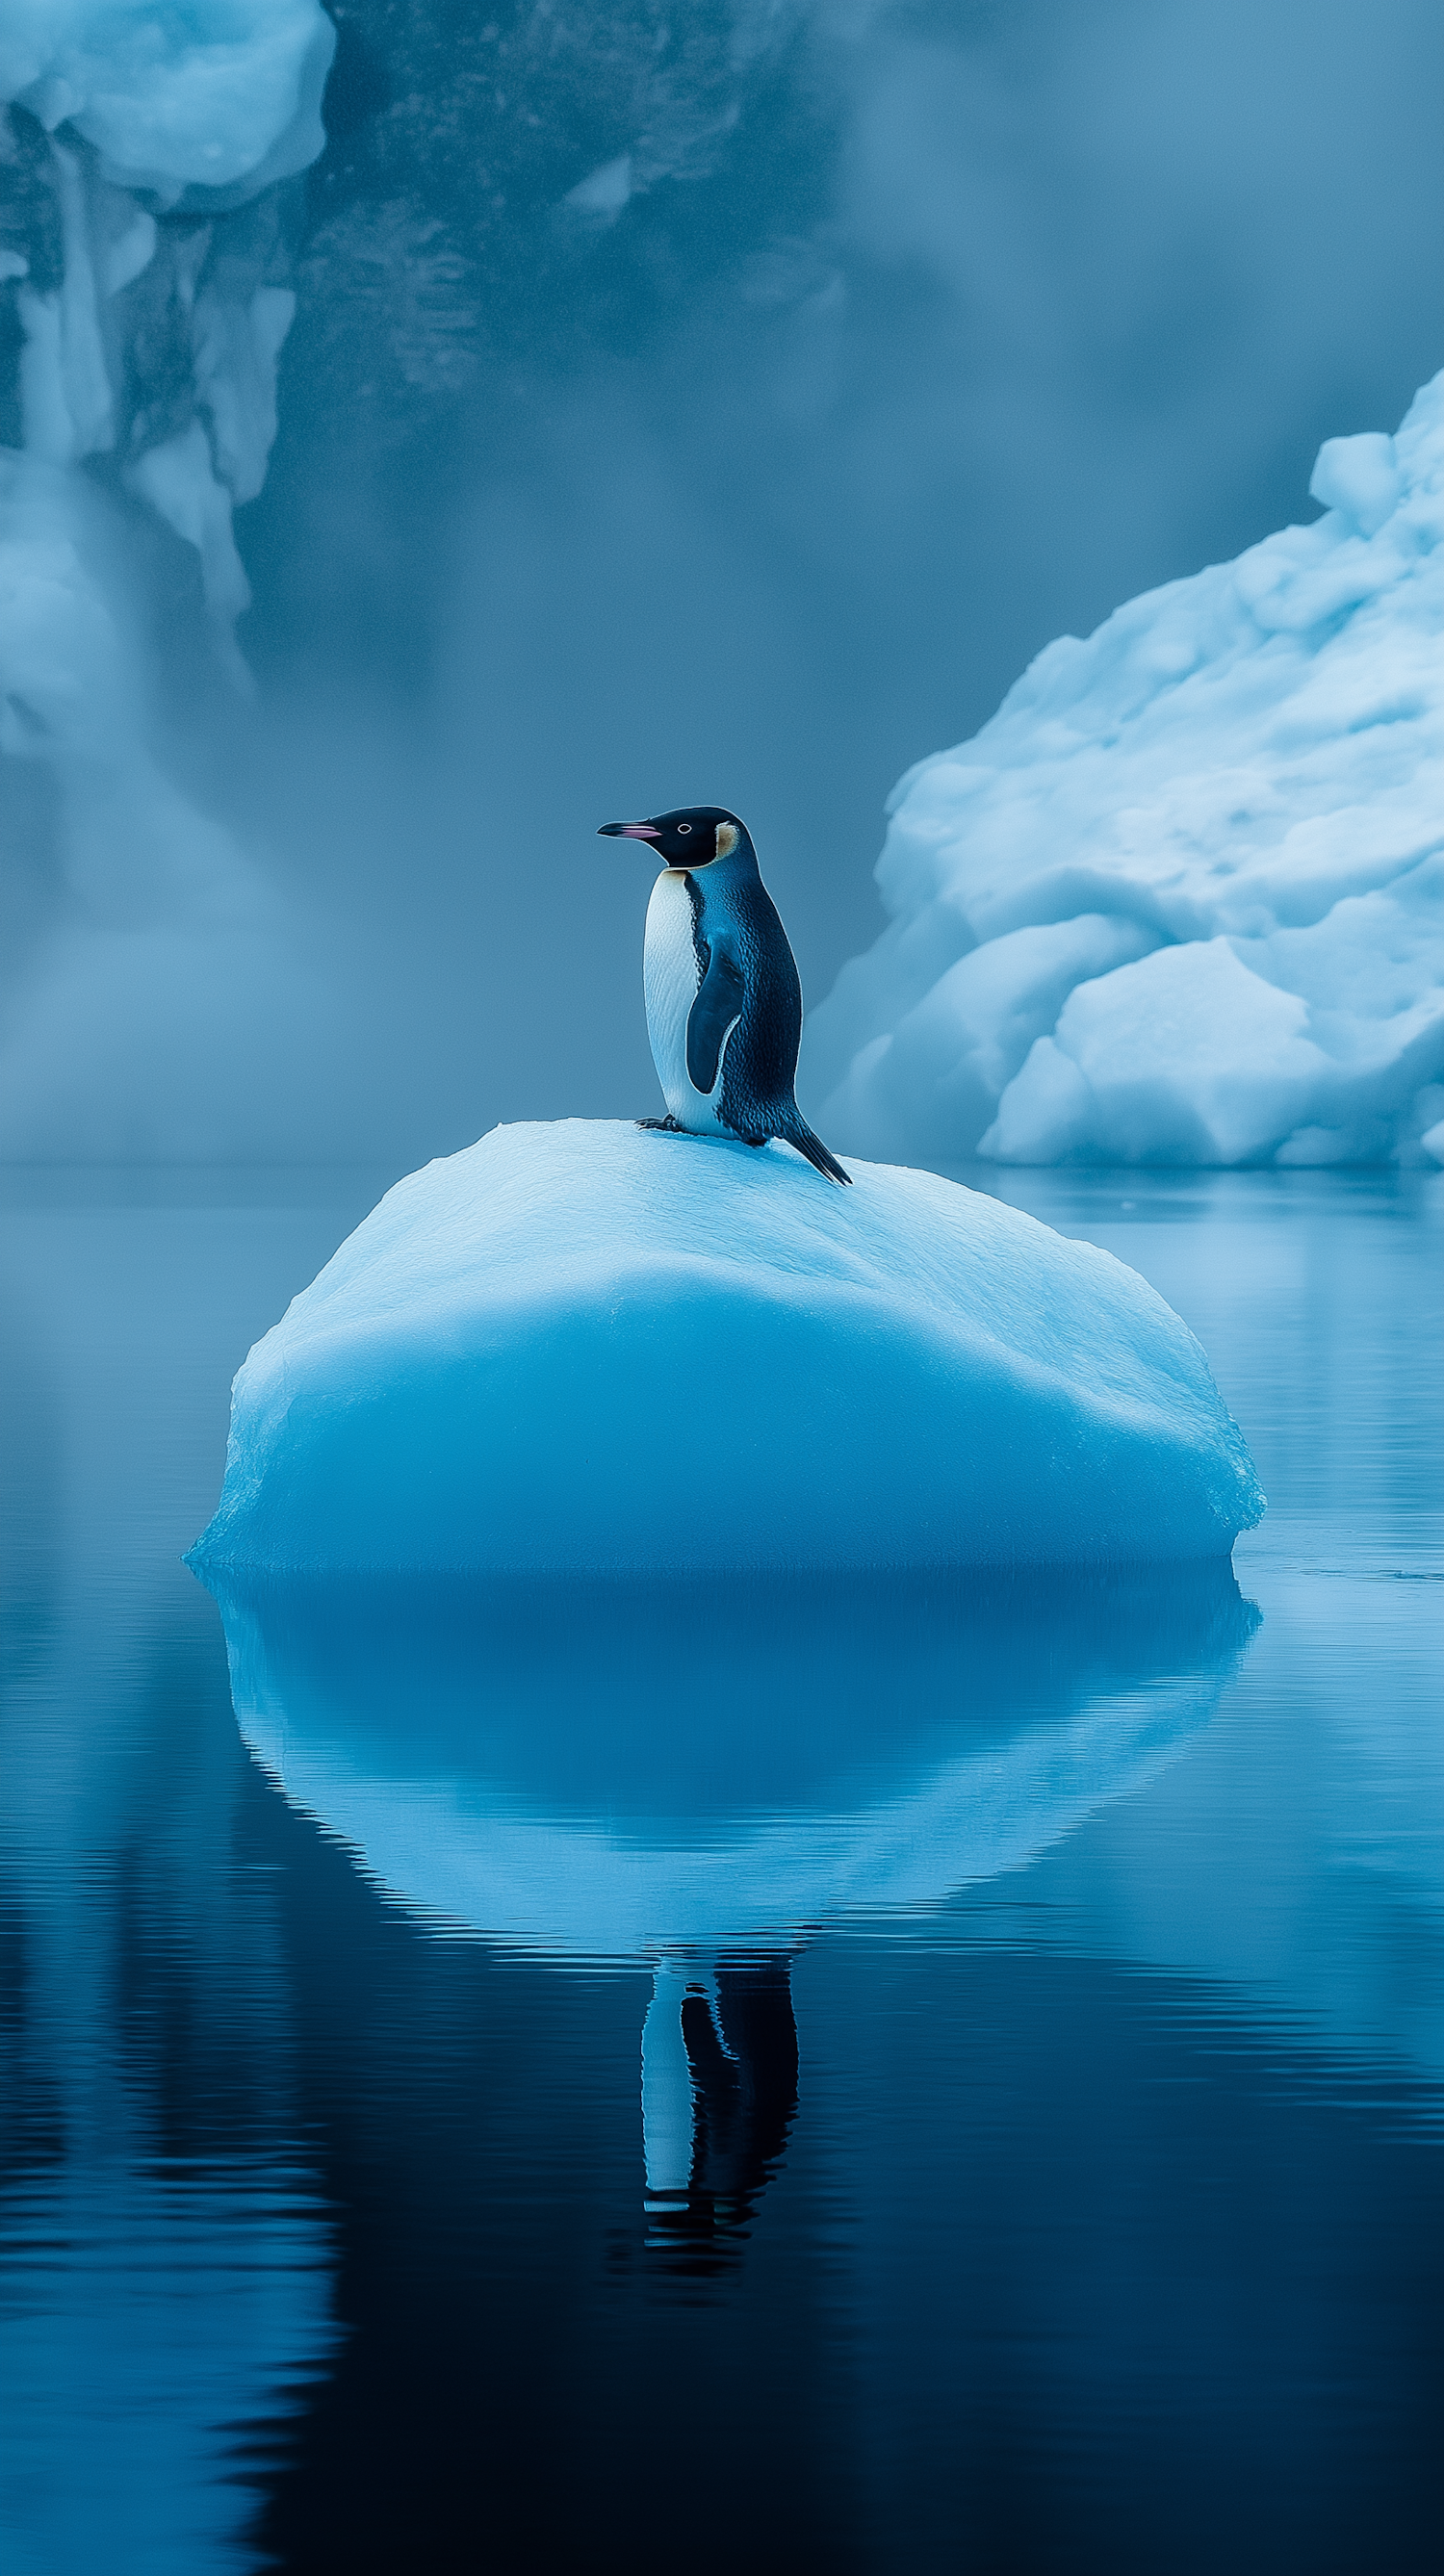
column 726, row 839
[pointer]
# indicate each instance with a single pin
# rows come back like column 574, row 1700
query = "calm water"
column 936, row 2079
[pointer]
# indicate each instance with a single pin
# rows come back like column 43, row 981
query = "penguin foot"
column 668, row 1126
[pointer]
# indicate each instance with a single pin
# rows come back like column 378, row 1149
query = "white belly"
column 669, row 979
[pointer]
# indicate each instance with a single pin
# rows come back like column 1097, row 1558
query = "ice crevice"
column 1182, row 899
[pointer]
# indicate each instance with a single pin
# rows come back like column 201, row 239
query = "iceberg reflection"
column 657, row 1774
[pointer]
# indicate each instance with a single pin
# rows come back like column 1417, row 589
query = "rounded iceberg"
column 582, row 1347
column 1181, row 901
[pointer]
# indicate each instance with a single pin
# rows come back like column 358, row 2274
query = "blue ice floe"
column 583, row 1348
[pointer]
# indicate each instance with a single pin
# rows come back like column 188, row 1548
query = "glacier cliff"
column 1182, row 899
column 144, row 296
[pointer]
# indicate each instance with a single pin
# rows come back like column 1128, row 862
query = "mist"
column 680, row 407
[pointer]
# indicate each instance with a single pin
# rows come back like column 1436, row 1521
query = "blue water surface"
column 892, row 2077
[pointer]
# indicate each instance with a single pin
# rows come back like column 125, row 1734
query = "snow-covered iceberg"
column 1182, row 899
column 584, row 1347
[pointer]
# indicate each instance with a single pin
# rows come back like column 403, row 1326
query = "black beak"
column 630, row 831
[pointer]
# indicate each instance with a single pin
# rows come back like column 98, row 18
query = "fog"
column 685, row 406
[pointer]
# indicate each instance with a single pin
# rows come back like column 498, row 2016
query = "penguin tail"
column 798, row 1133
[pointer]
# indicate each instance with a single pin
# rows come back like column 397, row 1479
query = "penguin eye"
column 684, row 827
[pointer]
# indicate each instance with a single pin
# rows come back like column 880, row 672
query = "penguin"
column 724, row 1001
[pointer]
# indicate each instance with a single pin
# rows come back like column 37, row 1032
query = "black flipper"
column 718, row 1004
column 801, row 1135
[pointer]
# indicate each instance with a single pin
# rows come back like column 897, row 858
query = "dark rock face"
column 505, row 199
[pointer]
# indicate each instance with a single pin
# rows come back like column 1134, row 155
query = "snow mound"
column 1182, row 899
column 584, row 1347
column 173, row 96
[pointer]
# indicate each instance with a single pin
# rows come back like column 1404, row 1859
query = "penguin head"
column 691, row 836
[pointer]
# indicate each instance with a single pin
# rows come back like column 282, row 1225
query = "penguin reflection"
column 719, row 2089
